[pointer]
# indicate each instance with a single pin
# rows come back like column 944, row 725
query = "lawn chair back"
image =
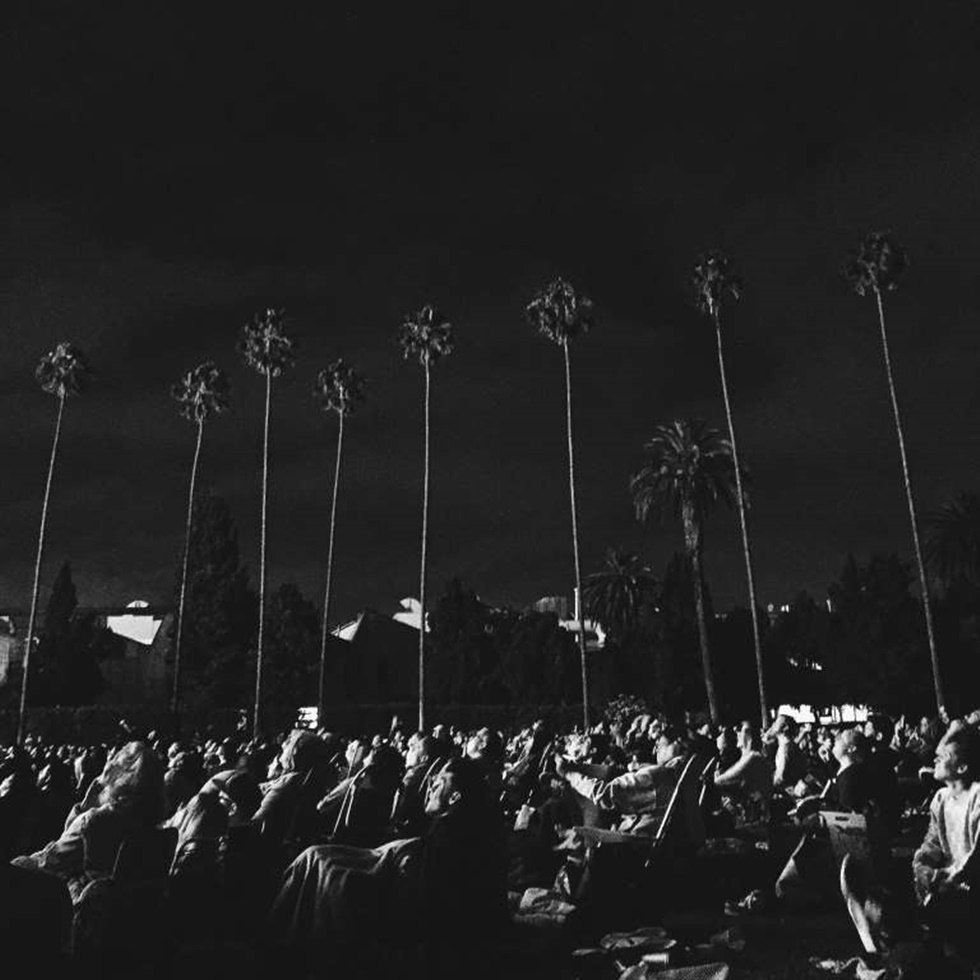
column 682, row 805
column 145, row 855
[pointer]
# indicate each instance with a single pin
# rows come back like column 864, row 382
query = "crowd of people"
column 318, row 852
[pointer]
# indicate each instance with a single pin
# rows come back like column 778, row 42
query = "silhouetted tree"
column 562, row 314
column 62, row 372
column 269, row 351
column 875, row 268
column 426, row 336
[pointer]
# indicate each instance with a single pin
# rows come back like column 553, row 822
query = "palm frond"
column 265, row 345
column 339, row 388
column 426, row 335
column 559, row 312
column 63, row 371
column 712, row 280
column 878, row 263
column 202, row 392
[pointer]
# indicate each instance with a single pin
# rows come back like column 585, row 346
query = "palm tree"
column 427, row 336
column 953, row 541
column 338, row 388
column 689, row 468
column 268, row 350
column 713, row 280
column 875, row 268
column 615, row 596
column 561, row 314
column 200, row 393
column 62, row 372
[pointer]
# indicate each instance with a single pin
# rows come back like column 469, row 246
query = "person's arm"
column 929, row 861
column 732, row 776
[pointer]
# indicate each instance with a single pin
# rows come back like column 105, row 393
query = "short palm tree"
column 426, row 336
column 875, row 269
column 689, row 468
column 562, row 314
column 62, row 372
column 713, row 281
column 200, row 394
column 616, row 595
column 953, row 541
column 269, row 351
column 338, row 388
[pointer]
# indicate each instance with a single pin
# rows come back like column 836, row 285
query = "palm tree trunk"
column 425, row 533
column 326, row 592
column 692, row 541
column 22, row 714
column 920, row 565
column 175, row 700
column 265, row 497
column 744, row 526
column 578, row 570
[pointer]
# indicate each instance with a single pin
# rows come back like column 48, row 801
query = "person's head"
column 300, row 751
column 725, row 740
column 458, row 783
column 878, row 727
column 204, row 818
column 238, row 793
column 958, row 757
column 749, row 739
column 485, row 746
column 133, row 779
column 850, row 746
column 419, row 752
column 671, row 743
column 784, row 728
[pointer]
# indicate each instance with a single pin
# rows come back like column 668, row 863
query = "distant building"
column 595, row 637
column 11, row 648
column 140, row 676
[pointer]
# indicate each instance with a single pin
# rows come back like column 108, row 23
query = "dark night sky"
column 163, row 176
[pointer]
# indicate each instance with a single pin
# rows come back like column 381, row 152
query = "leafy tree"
column 221, row 608
column 689, row 468
column 616, row 596
column 562, row 314
column 293, row 648
column 62, row 372
column 339, row 388
column 426, row 336
column 269, row 351
column 462, row 646
column 201, row 393
column 68, row 674
column 875, row 269
column 953, row 541
column 713, row 281
column 875, row 653
column 797, row 650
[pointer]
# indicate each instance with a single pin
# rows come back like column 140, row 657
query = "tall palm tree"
column 62, row 372
column 426, row 336
column 713, row 280
column 201, row 393
column 338, row 388
column 615, row 596
column 953, row 540
column 561, row 314
column 268, row 350
column 875, row 268
column 689, row 468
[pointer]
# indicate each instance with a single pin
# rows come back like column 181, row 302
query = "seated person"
column 747, row 784
column 637, row 799
column 302, row 754
column 127, row 796
column 789, row 763
column 443, row 890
